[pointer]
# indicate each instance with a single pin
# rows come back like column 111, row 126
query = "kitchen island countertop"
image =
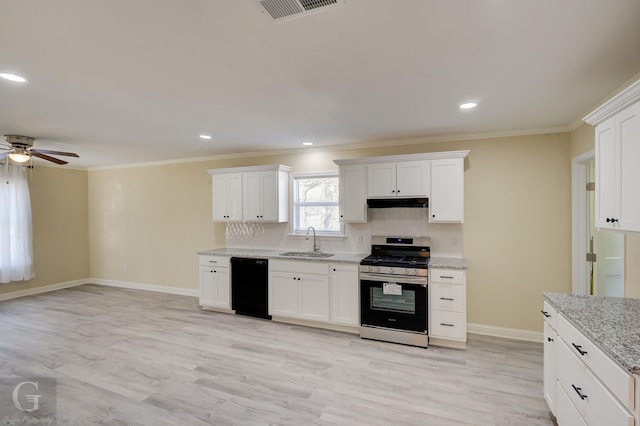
column 610, row 322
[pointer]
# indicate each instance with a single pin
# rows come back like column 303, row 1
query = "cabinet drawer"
column 566, row 412
column 299, row 267
column 448, row 324
column 450, row 276
column 619, row 381
column 550, row 314
column 591, row 398
column 220, row 261
column 448, row 297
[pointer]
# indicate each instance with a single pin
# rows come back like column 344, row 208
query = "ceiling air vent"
column 284, row 10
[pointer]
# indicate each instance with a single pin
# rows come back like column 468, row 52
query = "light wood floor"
column 126, row 357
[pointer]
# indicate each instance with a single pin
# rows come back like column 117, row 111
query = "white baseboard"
column 42, row 289
column 506, row 333
column 146, row 287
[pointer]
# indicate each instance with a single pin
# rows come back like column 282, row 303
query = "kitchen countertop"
column 610, row 322
column 277, row 254
column 434, row 262
column 448, row 263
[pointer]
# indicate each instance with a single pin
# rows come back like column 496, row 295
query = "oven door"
column 400, row 309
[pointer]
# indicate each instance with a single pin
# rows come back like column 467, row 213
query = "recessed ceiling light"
column 468, row 105
column 203, row 136
column 12, row 77
column 307, row 143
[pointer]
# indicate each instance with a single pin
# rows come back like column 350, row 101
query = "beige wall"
column 148, row 222
column 60, row 227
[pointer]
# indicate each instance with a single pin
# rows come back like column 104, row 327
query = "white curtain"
column 16, row 252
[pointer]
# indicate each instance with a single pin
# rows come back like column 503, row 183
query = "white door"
column 313, row 297
column 207, row 297
column 252, row 196
column 353, row 197
column 345, row 295
column 269, row 189
column 628, row 135
column 381, row 180
column 606, row 178
column 222, row 287
column 606, row 273
column 220, row 197
column 412, row 179
column 549, row 366
column 446, row 203
column 283, row 294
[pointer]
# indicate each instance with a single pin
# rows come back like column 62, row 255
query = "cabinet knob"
column 334, row 269
column 612, row 220
column 549, row 339
column 433, row 215
column 398, row 191
column 393, row 191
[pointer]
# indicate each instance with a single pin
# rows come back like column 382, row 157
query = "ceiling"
column 137, row 81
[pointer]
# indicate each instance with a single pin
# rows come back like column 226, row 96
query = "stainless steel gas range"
column 393, row 290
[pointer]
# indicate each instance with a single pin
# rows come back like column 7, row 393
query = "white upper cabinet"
column 353, row 193
column 227, row 196
column 251, row 194
column 617, row 153
column 402, row 179
column 446, row 203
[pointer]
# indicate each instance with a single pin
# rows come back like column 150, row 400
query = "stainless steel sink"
column 306, row 254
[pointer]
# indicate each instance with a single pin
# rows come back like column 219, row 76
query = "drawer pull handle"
column 447, row 298
column 579, row 349
column 213, row 261
column 446, row 276
column 546, row 314
column 446, row 325
column 549, row 339
column 578, row 391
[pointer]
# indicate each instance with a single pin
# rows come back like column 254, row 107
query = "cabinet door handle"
column 398, row 191
column 612, row 220
column 546, row 314
column 578, row 391
column 447, row 298
column 393, row 191
column 447, row 325
column 579, row 349
column 213, row 261
column 549, row 339
column 214, row 271
column 433, row 215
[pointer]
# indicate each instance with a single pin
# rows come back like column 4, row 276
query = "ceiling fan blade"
column 46, row 157
column 46, row 151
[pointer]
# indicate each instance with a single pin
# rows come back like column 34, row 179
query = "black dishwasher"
column 250, row 287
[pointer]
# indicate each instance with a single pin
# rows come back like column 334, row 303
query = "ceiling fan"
column 20, row 149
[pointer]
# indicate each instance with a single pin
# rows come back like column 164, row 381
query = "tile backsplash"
column 446, row 239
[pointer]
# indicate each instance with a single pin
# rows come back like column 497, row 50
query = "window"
column 15, row 226
column 315, row 203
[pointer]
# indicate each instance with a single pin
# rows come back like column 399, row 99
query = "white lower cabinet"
column 345, row 294
column 299, row 290
column 448, row 305
column 550, row 357
column 566, row 414
column 215, row 282
column 314, row 291
column 591, row 388
column 283, row 294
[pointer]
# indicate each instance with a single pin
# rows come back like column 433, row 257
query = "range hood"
column 385, row 203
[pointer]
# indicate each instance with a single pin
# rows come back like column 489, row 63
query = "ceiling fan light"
column 19, row 157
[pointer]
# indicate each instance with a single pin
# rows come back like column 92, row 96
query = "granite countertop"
column 610, row 322
column 277, row 254
column 434, row 262
column 448, row 263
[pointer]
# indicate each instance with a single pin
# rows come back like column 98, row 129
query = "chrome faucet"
column 315, row 246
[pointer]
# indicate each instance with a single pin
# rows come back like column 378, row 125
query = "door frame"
column 579, row 225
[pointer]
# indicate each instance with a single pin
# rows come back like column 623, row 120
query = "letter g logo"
column 33, row 398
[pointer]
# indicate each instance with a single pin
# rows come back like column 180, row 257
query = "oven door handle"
column 398, row 279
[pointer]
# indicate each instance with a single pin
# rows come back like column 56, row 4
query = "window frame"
column 293, row 204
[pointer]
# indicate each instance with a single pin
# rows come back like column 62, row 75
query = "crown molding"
column 617, row 103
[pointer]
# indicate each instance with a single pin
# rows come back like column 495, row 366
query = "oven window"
column 405, row 303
